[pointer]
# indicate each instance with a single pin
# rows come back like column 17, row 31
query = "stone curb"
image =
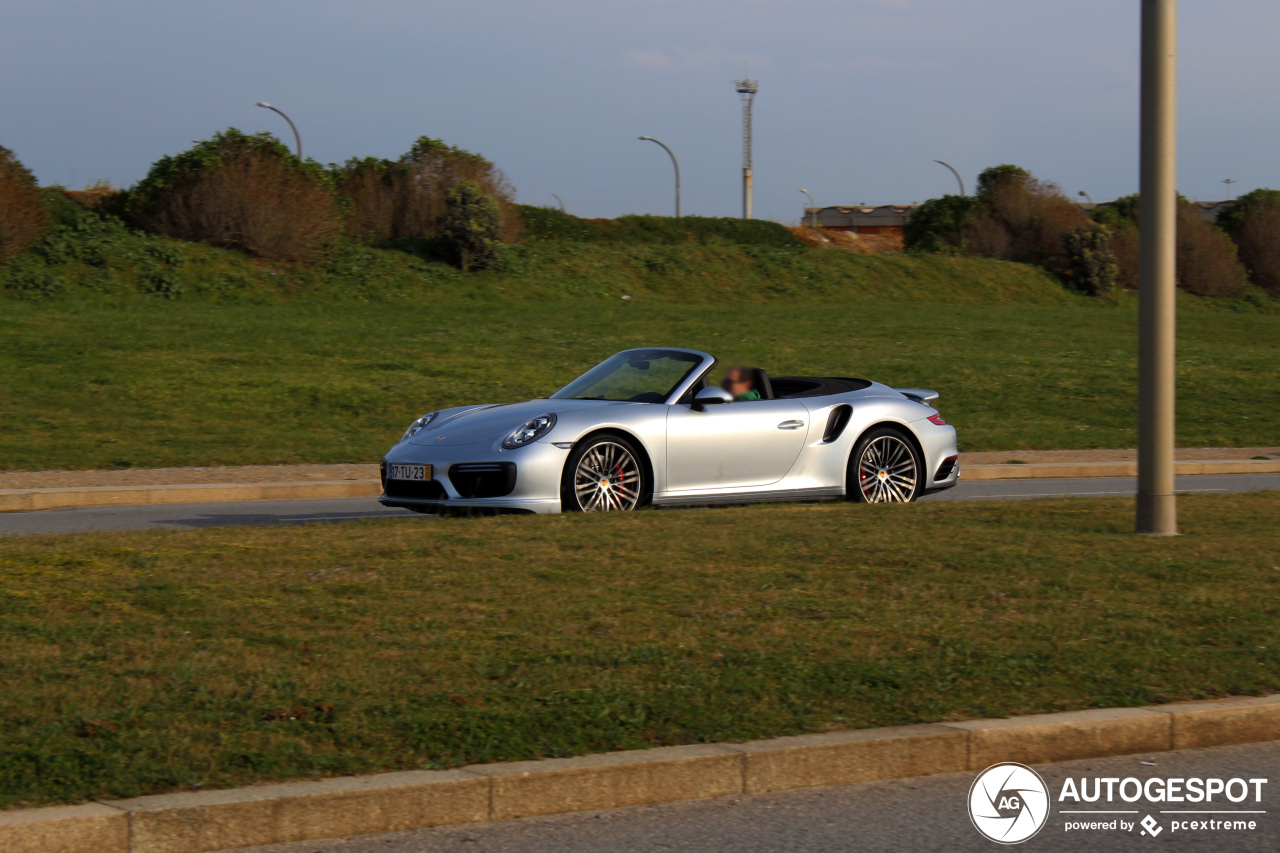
column 1056, row 470
column 27, row 500
column 204, row 821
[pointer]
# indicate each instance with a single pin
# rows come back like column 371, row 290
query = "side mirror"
column 710, row 397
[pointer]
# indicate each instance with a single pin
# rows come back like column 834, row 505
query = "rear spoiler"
column 918, row 394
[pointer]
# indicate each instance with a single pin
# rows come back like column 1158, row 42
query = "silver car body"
column 745, row 452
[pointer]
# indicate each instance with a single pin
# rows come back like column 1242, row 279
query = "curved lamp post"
column 814, row 205
column 1086, row 196
column 557, row 198
column 677, row 168
column 297, row 138
column 959, row 180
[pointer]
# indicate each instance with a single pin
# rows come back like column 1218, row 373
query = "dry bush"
column 1124, row 243
column 1255, row 227
column 1207, row 260
column 251, row 201
column 407, row 197
column 371, row 191
column 1022, row 219
column 23, row 217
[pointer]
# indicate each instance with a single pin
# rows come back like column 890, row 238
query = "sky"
column 857, row 97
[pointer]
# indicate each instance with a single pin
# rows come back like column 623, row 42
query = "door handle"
column 791, row 425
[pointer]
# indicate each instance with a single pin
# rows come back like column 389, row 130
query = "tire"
column 605, row 473
column 885, row 467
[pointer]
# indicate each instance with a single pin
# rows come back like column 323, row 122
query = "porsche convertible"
column 646, row 428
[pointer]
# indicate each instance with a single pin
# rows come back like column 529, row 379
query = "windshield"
column 637, row 376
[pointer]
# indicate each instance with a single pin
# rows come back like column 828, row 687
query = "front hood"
column 489, row 422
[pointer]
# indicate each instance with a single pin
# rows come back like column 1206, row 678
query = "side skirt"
column 749, row 497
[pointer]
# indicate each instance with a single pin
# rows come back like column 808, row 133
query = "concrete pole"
column 746, row 193
column 1157, row 512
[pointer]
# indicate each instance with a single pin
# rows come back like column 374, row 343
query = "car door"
column 733, row 445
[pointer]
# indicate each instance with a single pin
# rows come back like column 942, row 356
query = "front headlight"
column 419, row 425
column 529, row 431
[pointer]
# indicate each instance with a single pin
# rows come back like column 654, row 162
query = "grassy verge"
column 150, row 661
column 95, row 384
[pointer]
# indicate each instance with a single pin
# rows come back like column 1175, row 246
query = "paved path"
column 921, row 814
column 191, row 516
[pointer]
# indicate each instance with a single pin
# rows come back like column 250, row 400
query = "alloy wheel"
column 887, row 471
column 607, row 478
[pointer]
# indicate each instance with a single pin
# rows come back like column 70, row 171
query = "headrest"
column 762, row 384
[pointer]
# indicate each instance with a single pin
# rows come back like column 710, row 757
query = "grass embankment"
column 145, row 382
column 147, row 661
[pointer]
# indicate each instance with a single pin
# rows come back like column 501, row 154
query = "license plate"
column 410, row 472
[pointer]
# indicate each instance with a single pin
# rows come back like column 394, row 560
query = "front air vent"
column 836, row 422
column 483, row 479
column 430, row 490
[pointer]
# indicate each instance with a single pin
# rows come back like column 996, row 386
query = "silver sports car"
column 644, row 427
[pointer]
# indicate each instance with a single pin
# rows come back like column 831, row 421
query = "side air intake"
column 836, row 422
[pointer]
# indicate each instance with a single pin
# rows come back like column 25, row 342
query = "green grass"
column 144, row 382
column 148, row 661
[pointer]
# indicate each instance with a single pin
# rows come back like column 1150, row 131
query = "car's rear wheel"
column 604, row 474
column 884, row 468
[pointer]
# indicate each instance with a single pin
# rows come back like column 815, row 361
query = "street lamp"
column 557, row 198
column 1085, row 195
column 814, row 206
column 673, row 163
column 297, row 138
column 959, row 180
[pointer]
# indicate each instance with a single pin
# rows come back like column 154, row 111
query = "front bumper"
column 538, row 468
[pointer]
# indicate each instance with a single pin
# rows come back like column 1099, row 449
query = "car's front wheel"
column 884, row 468
column 603, row 474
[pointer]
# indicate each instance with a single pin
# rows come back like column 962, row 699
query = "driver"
column 739, row 382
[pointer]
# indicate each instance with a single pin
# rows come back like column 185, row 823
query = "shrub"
column 471, row 226
column 1121, row 217
column 1090, row 259
column 23, row 218
column 547, row 223
column 1020, row 218
column 241, row 192
column 938, row 224
column 405, row 198
column 1253, row 223
column 1207, row 261
column 28, row 277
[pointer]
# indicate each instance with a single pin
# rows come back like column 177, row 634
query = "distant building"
column 863, row 219
column 890, row 218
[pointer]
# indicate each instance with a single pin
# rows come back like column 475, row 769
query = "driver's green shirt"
column 753, row 394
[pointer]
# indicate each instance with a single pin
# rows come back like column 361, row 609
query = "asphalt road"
column 192, row 516
column 921, row 814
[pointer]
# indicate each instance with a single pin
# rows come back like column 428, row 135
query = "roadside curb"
column 203, row 821
column 1064, row 470
column 28, row 500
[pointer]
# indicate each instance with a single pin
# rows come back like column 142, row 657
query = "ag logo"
column 1008, row 803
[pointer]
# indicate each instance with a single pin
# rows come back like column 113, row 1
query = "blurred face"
column 737, row 382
